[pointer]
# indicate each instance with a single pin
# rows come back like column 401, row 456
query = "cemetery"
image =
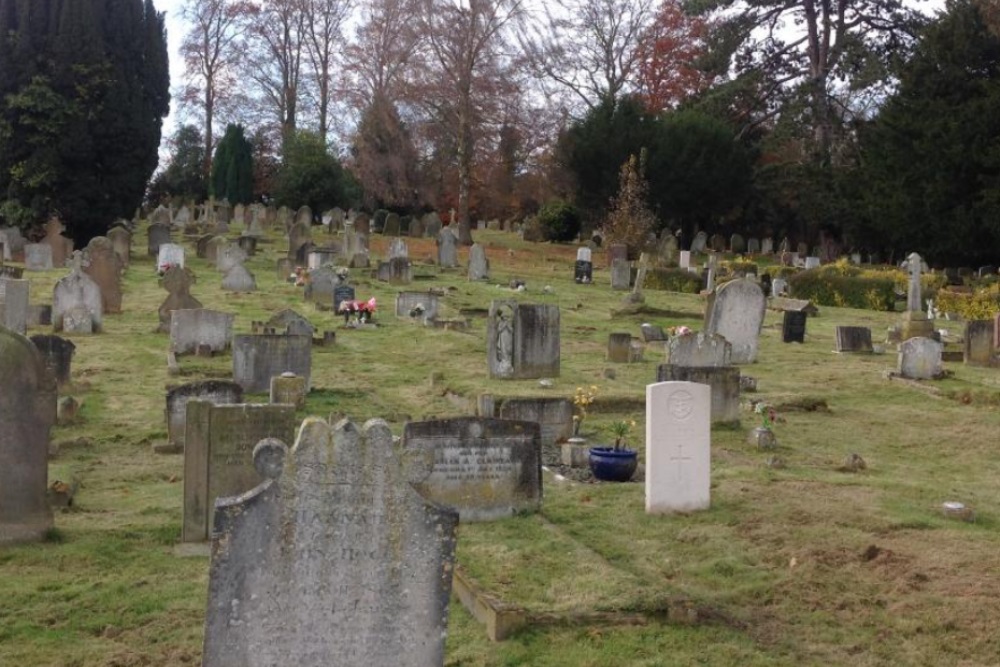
column 257, row 475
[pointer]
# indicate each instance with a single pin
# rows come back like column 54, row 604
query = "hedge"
column 673, row 280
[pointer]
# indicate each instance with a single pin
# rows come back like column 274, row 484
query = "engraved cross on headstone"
column 680, row 458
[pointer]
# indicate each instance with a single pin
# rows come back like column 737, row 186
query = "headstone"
column 779, row 287
column 486, row 469
column 391, row 227
column 802, row 248
column 183, row 217
column 619, row 348
column 920, row 358
column 583, row 270
column 177, row 282
column 320, row 288
column 14, row 304
column 554, row 416
column 422, row 305
column 793, row 326
column 216, row 392
column 363, row 224
column 342, row 293
column 717, row 243
column 248, row 244
column 228, row 256
column 988, row 270
column 288, row 389
column 668, row 248
column 105, row 268
column 201, row 246
column 215, row 246
column 621, row 274
column 700, row 242
column 37, row 257
column 432, row 225
column 62, row 247
column 617, row 251
column 160, row 216
column 447, row 244
column 698, row 349
column 523, row 340
column 479, row 266
column 684, row 259
column 416, row 229
column 80, row 296
column 854, row 339
column 259, row 357
column 979, row 349
column 304, row 216
column 737, row 244
column 57, row 355
column 292, row 323
column 158, row 235
column 812, row 263
column 200, row 327
column 121, row 244
column 678, row 447
column 27, row 412
column 218, row 460
column 724, row 382
column 736, row 311
column 397, row 271
column 397, row 248
column 753, row 246
column 298, row 236
column 379, row 558
column 169, row 255
column 13, row 241
column 239, row 279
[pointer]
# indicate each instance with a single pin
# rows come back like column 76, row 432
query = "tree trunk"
column 464, row 171
column 209, row 117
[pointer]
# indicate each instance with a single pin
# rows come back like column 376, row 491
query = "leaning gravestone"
column 79, row 295
column 177, row 282
column 736, row 311
column 479, row 266
column 554, row 416
column 57, row 355
column 27, row 412
column 14, row 304
column 37, row 257
column 698, row 349
column 218, row 460
column 920, row 358
column 678, row 447
column 105, row 268
column 191, row 329
column 447, row 244
column 379, row 558
column 259, row 357
column 854, row 339
column 978, row 347
column 216, row 392
column 523, row 341
column 486, row 469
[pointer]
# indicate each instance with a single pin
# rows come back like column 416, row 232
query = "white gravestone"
column 170, row 254
column 678, row 447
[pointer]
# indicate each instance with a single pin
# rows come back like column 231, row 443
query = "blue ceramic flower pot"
column 609, row 465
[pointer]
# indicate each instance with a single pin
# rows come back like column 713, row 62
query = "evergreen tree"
column 311, row 175
column 232, row 168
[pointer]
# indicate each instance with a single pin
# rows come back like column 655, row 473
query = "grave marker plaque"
column 854, row 339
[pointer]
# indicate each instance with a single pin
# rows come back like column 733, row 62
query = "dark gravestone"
column 979, row 349
column 216, row 392
column 57, row 355
column 486, row 469
column 724, row 382
column 619, row 347
column 854, row 339
column 258, row 358
column 342, row 293
column 359, row 573
column 27, row 412
column 793, row 327
column 652, row 333
column 583, row 272
column 523, row 341
column 158, row 235
column 218, row 455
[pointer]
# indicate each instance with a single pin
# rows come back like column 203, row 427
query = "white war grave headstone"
column 359, row 574
column 678, row 447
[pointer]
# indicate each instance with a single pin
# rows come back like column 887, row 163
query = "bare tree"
column 323, row 21
column 466, row 50
column 210, row 50
column 588, row 48
column 384, row 49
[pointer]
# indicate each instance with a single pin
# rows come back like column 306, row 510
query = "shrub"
column 558, row 221
column 673, row 280
column 982, row 304
column 831, row 288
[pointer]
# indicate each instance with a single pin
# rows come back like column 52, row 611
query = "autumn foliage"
column 668, row 58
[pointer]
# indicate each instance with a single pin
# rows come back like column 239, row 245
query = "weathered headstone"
column 320, row 288
column 62, row 247
column 619, row 347
column 105, row 268
column 259, row 357
column 698, row 349
column 678, row 447
column 753, row 246
column 398, row 248
column 298, row 236
column 724, row 382
column 736, row 311
column 812, row 263
column 191, row 329
column 38, row 257
column 432, row 225
column 684, row 259
column 169, row 255
column 779, row 287
column 14, row 304
column 447, row 244
column 920, row 358
column 652, row 333
column 793, row 326
column 216, row 392
column 227, row 256
column 486, row 469
column 422, row 305
column 915, row 320
column 397, row 271
column 479, row 266
column 27, row 412
column 177, row 282
column 737, row 244
column 363, row 224
column 121, row 244
column 554, row 416
column 583, row 270
column 218, row 460
column 239, row 279
column 158, row 235
column 523, row 340
column 416, row 228
column 379, row 558
column 291, row 323
column 978, row 348
column 854, row 339
column 700, row 242
column 621, row 274
column 392, row 225
column 80, row 296
column 57, row 355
